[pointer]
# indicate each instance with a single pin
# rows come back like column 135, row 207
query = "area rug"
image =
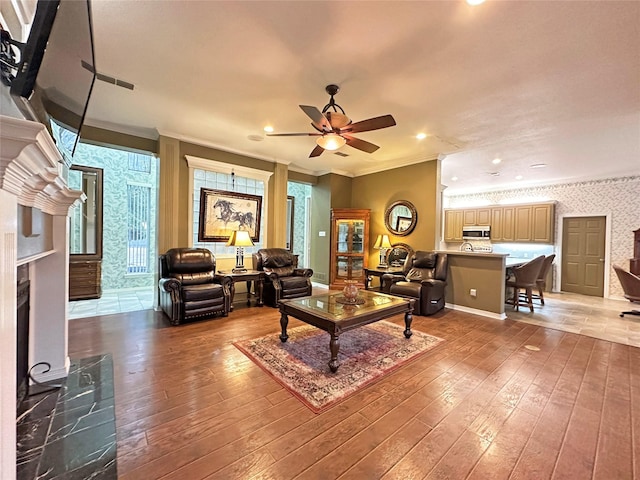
column 366, row 355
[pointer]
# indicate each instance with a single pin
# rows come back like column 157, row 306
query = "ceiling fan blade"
column 294, row 134
column 375, row 123
column 316, row 152
column 361, row 144
column 319, row 120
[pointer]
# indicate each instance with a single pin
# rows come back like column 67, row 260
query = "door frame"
column 607, row 248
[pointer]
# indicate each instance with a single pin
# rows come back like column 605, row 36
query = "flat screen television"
column 57, row 67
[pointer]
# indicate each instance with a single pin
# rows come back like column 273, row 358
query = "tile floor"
column 113, row 301
column 592, row 316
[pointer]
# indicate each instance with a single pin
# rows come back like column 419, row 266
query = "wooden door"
column 508, row 224
column 583, row 244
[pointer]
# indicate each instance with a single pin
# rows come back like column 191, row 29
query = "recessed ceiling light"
column 518, row 177
column 475, row 2
column 454, row 179
column 496, row 161
column 421, row 136
column 268, row 128
column 538, row 165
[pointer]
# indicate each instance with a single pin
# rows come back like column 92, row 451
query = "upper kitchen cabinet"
column 453, row 220
column 526, row 223
column 477, row 216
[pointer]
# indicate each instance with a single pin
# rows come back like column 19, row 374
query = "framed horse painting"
column 222, row 212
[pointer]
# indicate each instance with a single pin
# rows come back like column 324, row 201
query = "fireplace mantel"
column 30, row 175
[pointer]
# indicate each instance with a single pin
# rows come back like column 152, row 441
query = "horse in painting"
column 229, row 214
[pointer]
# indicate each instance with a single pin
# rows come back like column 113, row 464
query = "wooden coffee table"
column 324, row 312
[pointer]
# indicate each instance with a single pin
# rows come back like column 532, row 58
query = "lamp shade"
column 382, row 242
column 239, row 238
column 331, row 141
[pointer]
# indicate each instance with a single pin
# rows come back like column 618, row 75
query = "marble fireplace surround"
column 30, row 175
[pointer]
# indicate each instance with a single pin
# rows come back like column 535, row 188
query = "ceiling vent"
column 109, row 79
column 340, row 154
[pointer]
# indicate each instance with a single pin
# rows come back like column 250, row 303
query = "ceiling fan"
column 334, row 128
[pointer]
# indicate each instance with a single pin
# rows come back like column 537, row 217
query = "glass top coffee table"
column 327, row 313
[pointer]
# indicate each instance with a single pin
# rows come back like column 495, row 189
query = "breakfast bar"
column 476, row 282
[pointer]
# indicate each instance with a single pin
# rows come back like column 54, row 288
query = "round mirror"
column 398, row 253
column 401, row 217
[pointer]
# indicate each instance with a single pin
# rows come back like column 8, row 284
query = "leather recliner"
column 283, row 278
column 424, row 277
column 188, row 287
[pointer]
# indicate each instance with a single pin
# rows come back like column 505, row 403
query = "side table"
column 369, row 273
column 248, row 276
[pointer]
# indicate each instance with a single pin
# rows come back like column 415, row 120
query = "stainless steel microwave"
column 475, row 232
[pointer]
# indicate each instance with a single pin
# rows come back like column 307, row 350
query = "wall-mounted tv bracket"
column 8, row 61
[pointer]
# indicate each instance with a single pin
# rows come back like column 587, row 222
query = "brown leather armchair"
column 283, row 278
column 424, row 277
column 631, row 286
column 188, row 288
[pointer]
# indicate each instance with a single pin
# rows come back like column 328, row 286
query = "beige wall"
column 321, row 222
column 419, row 184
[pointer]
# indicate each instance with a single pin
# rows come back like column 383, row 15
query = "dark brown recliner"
column 283, row 278
column 188, row 287
column 424, row 277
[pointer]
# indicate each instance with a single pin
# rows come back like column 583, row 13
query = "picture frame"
column 403, row 223
column 222, row 212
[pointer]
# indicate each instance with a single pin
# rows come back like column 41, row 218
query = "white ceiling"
column 525, row 81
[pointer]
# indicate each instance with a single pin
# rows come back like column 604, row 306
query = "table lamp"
column 239, row 239
column 383, row 244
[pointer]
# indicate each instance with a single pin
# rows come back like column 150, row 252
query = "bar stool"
column 525, row 277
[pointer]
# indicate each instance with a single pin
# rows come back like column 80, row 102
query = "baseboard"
column 475, row 311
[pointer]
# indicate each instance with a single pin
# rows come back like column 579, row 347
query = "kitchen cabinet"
column 526, row 223
column 453, row 220
column 476, row 216
column 349, row 246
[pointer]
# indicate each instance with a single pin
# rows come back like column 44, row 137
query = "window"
column 139, row 163
column 231, row 183
column 138, row 198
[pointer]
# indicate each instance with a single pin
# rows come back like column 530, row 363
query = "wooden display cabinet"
column 349, row 246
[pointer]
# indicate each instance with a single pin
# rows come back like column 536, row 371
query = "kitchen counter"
column 476, row 281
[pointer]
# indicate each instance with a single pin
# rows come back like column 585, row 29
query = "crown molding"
column 30, row 167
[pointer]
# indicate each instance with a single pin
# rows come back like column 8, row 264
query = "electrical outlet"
column 473, row 292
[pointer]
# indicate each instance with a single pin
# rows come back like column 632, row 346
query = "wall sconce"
column 383, row 244
column 239, row 239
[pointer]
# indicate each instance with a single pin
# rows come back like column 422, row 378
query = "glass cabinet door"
column 344, row 235
column 357, row 236
column 349, row 245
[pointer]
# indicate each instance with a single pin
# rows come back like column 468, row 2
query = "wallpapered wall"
column 300, row 192
column 116, row 177
column 617, row 197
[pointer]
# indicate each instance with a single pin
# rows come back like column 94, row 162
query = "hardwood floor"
column 481, row 405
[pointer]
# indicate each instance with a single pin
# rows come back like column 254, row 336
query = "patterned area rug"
column 366, row 354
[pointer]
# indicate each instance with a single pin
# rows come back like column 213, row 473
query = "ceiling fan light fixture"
column 331, row 141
